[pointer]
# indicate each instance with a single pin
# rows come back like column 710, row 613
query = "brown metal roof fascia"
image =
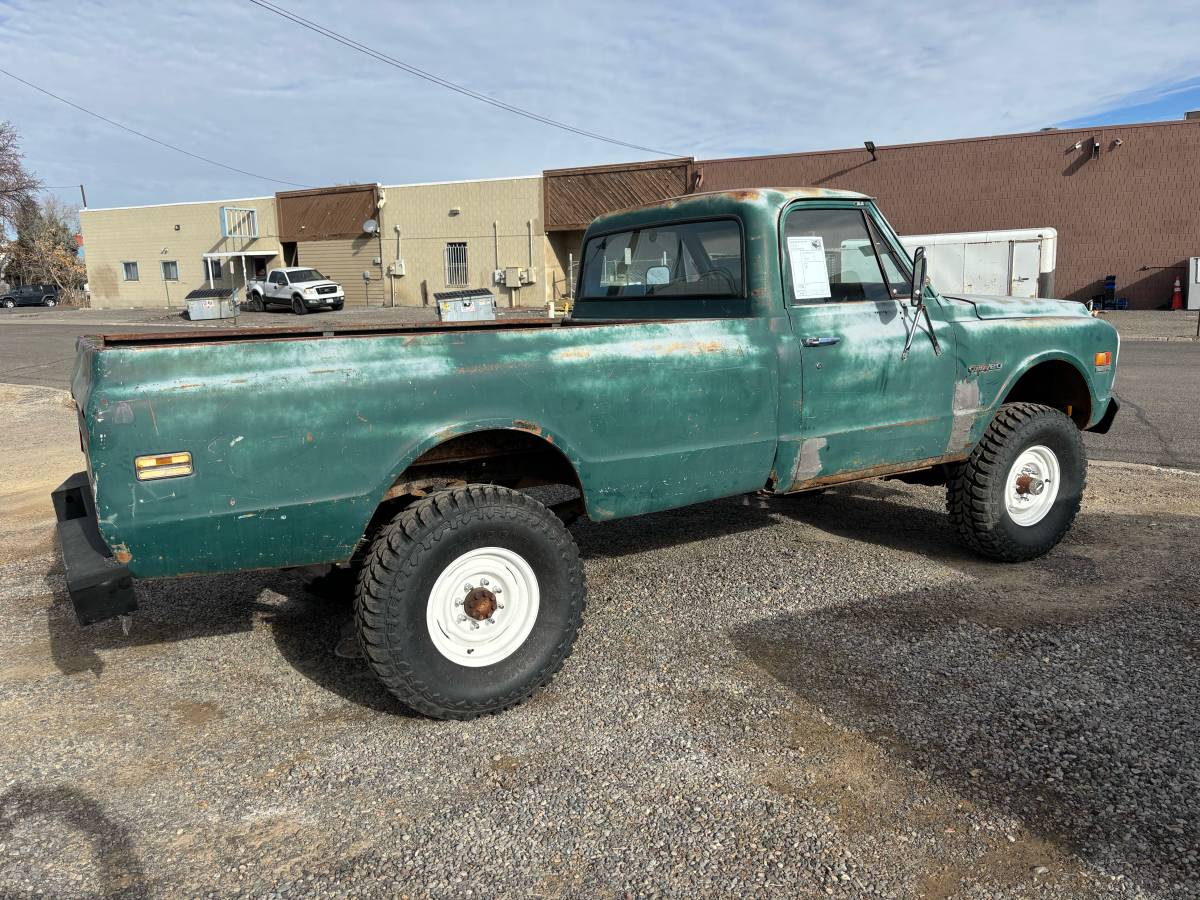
column 323, row 214
column 573, row 197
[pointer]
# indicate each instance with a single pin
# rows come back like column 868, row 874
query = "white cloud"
column 230, row 81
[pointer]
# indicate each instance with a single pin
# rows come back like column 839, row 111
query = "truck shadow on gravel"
column 1062, row 691
column 305, row 628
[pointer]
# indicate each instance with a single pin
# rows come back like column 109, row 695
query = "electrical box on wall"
column 498, row 276
column 512, row 277
column 397, row 268
column 529, row 276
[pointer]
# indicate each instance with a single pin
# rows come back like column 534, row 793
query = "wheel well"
column 505, row 456
column 1055, row 383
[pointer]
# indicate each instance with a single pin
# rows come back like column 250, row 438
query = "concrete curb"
column 1147, row 339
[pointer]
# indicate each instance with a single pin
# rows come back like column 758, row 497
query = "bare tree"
column 18, row 186
column 45, row 250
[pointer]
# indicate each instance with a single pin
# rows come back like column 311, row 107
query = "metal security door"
column 1026, row 258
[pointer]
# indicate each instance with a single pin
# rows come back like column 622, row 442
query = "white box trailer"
column 1017, row 262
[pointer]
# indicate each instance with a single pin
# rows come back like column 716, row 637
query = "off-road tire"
column 298, row 306
column 976, row 488
column 399, row 573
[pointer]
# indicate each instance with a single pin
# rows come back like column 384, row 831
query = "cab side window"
column 832, row 258
column 277, row 278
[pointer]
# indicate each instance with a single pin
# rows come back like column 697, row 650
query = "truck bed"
column 297, row 434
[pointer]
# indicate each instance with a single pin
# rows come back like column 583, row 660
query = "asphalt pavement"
column 1158, row 382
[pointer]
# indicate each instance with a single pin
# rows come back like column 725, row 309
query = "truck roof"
column 707, row 203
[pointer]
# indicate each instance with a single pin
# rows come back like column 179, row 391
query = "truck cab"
column 301, row 288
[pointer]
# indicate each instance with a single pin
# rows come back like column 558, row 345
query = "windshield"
column 687, row 259
column 304, row 275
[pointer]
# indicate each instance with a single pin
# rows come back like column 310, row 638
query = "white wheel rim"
column 1032, row 485
column 471, row 639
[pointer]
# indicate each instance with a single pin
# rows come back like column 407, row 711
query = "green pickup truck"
column 772, row 341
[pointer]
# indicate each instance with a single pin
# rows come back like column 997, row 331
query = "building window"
column 170, row 270
column 131, row 272
column 456, row 264
column 212, row 269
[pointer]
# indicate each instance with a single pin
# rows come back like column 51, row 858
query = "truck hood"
column 311, row 284
column 988, row 307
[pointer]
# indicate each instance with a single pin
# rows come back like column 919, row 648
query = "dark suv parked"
column 30, row 295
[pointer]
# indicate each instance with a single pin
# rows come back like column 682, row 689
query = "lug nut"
column 484, row 582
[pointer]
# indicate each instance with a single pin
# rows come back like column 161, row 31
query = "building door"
column 864, row 405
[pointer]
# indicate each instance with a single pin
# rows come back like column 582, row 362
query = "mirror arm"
column 911, row 332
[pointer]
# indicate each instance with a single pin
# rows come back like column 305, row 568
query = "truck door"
column 277, row 285
column 864, row 406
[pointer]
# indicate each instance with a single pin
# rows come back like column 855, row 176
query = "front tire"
column 1019, row 491
column 9, row 304
column 298, row 306
column 49, row 301
column 470, row 601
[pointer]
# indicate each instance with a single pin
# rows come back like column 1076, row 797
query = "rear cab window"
column 692, row 260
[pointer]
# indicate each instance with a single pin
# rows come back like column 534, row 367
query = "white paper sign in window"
column 810, row 276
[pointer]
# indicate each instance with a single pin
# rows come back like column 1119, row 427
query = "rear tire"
column 429, row 624
column 257, row 304
column 298, row 306
column 1019, row 491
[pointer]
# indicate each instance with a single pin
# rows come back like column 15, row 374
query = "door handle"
column 821, row 341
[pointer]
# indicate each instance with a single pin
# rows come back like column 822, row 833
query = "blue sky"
column 230, row 81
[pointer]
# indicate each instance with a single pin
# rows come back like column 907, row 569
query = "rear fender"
column 550, row 436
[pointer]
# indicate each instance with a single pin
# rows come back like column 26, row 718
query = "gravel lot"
column 824, row 696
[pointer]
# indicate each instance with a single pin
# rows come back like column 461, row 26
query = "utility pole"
column 83, row 196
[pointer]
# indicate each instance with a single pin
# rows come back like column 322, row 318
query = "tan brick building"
column 426, row 238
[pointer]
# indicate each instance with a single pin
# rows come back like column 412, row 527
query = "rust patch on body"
column 531, row 427
column 121, row 554
column 877, row 471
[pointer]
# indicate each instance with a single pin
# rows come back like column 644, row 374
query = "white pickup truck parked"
column 299, row 287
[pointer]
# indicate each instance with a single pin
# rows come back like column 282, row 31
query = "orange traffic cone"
column 1177, row 297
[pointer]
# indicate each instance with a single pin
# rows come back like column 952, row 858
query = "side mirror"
column 658, row 275
column 920, row 266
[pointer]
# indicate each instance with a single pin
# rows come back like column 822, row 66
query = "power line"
column 443, row 82
column 147, row 137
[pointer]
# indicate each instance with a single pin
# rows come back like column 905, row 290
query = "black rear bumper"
column 100, row 587
column 1106, row 420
